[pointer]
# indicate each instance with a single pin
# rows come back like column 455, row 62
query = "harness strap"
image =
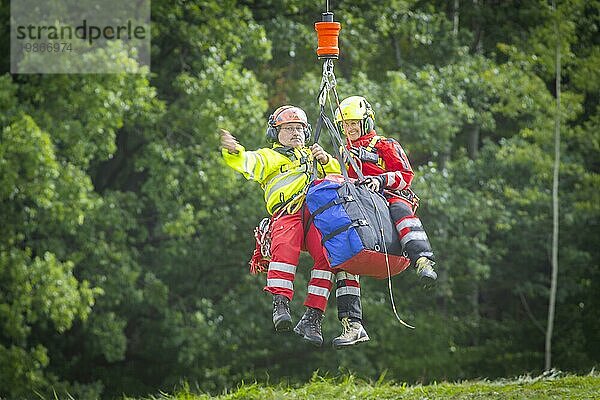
column 317, row 135
column 373, row 142
column 405, row 194
column 295, row 203
column 344, row 199
column 292, row 205
column 358, row 222
column 305, row 160
column 327, row 206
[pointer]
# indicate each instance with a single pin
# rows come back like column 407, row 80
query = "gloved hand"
column 374, row 183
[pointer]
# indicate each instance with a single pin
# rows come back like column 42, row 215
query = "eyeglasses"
column 292, row 128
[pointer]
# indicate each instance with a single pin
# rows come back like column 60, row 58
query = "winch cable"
column 387, row 263
column 327, row 32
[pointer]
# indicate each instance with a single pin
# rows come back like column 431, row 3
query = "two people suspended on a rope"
column 387, row 169
column 284, row 172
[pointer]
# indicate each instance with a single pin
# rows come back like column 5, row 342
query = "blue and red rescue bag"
column 351, row 219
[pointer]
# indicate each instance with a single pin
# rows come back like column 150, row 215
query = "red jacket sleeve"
column 398, row 173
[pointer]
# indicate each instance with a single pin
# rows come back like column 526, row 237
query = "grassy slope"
column 567, row 387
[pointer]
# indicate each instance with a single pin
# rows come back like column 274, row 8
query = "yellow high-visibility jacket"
column 282, row 177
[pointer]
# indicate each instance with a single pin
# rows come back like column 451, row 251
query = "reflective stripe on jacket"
column 282, row 177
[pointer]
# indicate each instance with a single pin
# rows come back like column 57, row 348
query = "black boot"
column 281, row 313
column 309, row 327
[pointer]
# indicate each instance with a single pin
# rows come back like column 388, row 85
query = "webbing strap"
column 340, row 200
column 373, row 142
column 328, row 84
column 317, row 135
column 343, row 228
column 324, row 207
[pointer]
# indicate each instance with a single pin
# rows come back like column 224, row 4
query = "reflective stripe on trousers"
column 348, row 295
column 287, row 240
column 411, row 233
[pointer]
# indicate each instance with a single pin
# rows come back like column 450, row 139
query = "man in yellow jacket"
column 284, row 172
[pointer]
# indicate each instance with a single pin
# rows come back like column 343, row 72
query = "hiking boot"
column 281, row 313
column 309, row 327
column 425, row 268
column 353, row 333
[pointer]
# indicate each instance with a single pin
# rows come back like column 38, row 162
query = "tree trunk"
column 444, row 157
column 397, row 51
column 553, row 284
column 473, row 143
column 477, row 45
column 456, row 18
column 475, row 309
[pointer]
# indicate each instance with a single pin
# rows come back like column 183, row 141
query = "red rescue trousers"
column 287, row 240
column 412, row 235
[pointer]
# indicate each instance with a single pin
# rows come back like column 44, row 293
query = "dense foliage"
column 124, row 240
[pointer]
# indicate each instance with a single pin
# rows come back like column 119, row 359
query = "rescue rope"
column 328, row 50
column 387, row 263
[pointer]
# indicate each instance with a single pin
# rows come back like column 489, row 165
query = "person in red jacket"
column 386, row 166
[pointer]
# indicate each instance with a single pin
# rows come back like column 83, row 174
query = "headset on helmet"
column 284, row 115
column 356, row 107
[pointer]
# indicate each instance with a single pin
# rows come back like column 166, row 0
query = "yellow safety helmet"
column 356, row 107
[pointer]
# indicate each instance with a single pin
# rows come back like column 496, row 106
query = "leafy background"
column 124, row 239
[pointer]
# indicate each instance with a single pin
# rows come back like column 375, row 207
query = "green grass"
column 552, row 386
